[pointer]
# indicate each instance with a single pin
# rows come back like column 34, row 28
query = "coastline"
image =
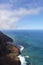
column 8, row 52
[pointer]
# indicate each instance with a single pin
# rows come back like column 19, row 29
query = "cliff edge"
column 8, row 52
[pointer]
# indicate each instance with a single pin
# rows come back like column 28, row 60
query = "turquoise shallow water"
column 32, row 40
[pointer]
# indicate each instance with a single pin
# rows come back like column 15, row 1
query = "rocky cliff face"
column 8, row 52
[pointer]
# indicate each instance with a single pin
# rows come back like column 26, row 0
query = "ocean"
column 30, row 43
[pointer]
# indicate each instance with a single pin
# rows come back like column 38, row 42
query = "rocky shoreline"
column 8, row 52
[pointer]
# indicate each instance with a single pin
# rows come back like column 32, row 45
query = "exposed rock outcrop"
column 8, row 52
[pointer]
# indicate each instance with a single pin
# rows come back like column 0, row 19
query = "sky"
column 21, row 14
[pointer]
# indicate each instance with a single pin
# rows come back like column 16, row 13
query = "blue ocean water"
column 32, row 40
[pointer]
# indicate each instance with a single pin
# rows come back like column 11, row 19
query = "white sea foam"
column 21, row 48
column 22, row 59
column 27, row 56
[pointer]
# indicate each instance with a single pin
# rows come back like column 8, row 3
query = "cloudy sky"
column 21, row 14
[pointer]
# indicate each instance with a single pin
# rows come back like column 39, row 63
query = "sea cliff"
column 8, row 52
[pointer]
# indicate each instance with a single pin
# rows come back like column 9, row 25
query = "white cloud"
column 24, row 11
column 5, row 6
column 8, row 18
column 13, row 1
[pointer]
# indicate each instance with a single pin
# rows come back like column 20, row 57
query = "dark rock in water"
column 8, row 52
